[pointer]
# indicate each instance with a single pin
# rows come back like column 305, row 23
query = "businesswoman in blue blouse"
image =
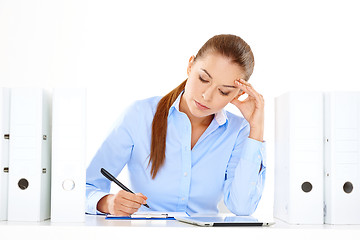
column 184, row 152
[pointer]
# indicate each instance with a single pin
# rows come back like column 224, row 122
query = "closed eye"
column 223, row 93
column 202, row 80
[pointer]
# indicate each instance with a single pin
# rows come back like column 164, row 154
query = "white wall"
column 127, row 50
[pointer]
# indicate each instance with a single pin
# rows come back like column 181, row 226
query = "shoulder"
column 147, row 105
column 236, row 120
column 142, row 109
column 238, row 127
column 137, row 111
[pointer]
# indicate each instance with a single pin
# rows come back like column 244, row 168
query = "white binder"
column 68, row 155
column 29, row 155
column 4, row 150
column 299, row 185
column 342, row 158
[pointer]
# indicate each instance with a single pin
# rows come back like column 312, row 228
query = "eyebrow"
column 229, row 86
column 206, row 73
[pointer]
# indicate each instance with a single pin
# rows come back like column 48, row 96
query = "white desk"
column 96, row 227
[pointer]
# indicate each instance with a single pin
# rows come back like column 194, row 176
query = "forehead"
column 220, row 68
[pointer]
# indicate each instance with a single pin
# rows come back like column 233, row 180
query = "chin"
column 200, row 113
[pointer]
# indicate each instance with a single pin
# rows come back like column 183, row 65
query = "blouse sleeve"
column 245, row 174
column 113, row 154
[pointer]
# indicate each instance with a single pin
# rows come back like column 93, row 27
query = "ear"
column 191, row 61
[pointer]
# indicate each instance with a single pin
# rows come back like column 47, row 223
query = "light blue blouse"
column 224, row 162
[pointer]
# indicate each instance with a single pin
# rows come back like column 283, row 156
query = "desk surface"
column 96, row 227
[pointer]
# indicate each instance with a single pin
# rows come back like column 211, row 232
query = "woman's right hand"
column 121, row 204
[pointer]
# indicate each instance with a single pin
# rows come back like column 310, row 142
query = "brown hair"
column 230, row 46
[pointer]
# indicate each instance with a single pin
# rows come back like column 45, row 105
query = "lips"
column 200, row 106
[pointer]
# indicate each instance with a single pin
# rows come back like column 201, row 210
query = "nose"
column 207, row 94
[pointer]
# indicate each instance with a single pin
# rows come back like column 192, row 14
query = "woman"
column 184, row 151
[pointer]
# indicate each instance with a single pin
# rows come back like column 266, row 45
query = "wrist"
column 257, row 134
column 103, row 203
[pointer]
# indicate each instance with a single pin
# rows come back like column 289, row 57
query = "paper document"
column 150, row 215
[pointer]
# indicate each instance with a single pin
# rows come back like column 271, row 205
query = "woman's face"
column 211, row 84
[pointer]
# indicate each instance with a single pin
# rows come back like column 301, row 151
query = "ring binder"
column 68, row 155
column 342, row 157
column 29, row 154
column 298, row 186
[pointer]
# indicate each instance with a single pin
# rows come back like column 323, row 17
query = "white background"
column 127, row 50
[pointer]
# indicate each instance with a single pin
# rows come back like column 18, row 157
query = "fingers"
column 243, row 85
column 138, row 198
column 248, row 89
column 126, row 203
column 142, row 196
column 120, row 213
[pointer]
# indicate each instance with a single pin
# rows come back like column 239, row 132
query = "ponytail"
column 159, row 129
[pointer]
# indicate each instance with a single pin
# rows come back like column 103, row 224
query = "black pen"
column 112, row 178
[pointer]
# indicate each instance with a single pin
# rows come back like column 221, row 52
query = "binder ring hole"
column 348, row 187
column 306, row 187
column 68, row 185
column 23, row 184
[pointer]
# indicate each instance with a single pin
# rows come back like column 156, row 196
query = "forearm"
column 242, row 199
column 243, row 188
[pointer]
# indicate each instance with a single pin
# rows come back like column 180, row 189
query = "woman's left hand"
column 252, row 108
